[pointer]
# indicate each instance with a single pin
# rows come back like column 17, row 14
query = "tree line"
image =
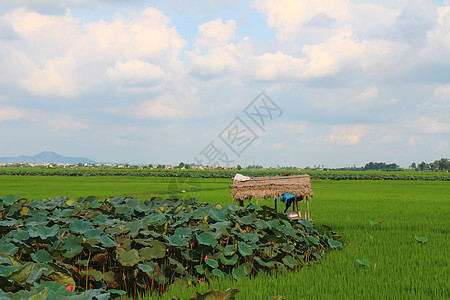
column 442, row 164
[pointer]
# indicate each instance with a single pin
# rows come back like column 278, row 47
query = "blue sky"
column 169, row 81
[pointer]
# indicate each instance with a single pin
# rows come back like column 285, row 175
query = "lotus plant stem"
column 87, row 270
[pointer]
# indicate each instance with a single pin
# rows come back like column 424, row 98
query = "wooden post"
column 307, row 207
column 298, row 208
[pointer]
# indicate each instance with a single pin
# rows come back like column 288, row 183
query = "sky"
column 269, row 82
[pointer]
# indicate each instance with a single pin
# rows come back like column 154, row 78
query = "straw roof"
column 260, row 188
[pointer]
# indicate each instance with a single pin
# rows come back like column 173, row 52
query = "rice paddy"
column 379, row 221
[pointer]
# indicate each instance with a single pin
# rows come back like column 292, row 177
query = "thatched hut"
column 274, row 187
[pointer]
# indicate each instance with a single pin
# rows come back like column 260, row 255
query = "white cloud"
column 63, row 122
column 215, row 34
column 348, row 134
column 164, row 106
column 9, row 113
column 61, row 56
column 430, row 125
column 368, row 95
column 135, row 71
column 289, row 16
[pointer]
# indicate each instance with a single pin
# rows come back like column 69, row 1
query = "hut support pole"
column 307, row 207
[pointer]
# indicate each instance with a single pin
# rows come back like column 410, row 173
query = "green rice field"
column 378, row 220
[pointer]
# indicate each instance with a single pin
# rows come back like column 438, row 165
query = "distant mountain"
column 46, row 157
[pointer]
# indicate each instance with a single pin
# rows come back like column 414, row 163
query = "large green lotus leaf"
column 313, row 239
column 219, row 225
column 5, row 271
column 100, row 219
column 244, row 249
column 305, row 223
column 289, row 261
column 73, row 246
column 230, row 249
column 157, row 250
column 249, row 237
column 248, row 219
column 18, row 235
column 220, row 233
column 268, row 264
column 288, row 248
column 212, row 263
column 94, row 274
column 154, row 219
column 238, row 272
column 106, row 241
column 228, row 261
column 122, row 210
column 216, row 295
column 270, row 251
column 364, row 262
column 218, row 215
column 177, row 241
column 37, row 271
column 206, row 238
column 421, row 239
column 134, row 228
column 183, row 231
column 62, row 278
column 218, row 273
column 149, row 267
column 7, row 247
column 37, row 218
column 8, row 200
column 57, row 288
column 5, row 261
column 334, row 244
column 93, row 233
column 289, row 231
column 22, row 273
column 200, row 269
column 80, row 226
column 43, row 231
column 41, row 256
column 178, row 266
column 261, row 224
column 128, row 258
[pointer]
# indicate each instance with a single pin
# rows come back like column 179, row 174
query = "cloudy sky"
column 345, row 82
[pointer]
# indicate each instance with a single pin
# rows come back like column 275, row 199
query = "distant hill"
column 46, row 157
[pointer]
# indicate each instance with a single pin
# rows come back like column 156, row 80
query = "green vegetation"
column 220, row 173
column 399, row 230
column 140, row 246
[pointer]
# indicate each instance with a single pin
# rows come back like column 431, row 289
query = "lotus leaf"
column 7, row 247
column 230, row 250
column 228, row 261
column 157, row 250
column 178, row 266
column 364, row 262
column 313, row 239
column 80, row 226
column 212, row 263
column 41, row 256
column 244, row 249
column 218, row 273
column 8, row 200
column 421, row 239
column 334, row 244
column 177, row 241
column 149, row 268
column 128, row 258
column 106, row 241
column 206, row 238
column 289, row 261
column 72, row 245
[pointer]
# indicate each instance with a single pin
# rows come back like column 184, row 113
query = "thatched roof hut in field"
column 274, row 187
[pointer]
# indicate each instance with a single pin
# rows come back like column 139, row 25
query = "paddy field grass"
column 378, row 221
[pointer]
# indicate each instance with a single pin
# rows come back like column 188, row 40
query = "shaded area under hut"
column 277, row 187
